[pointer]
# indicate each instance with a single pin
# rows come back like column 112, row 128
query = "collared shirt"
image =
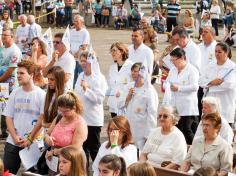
column 185, row 99
column 207, row 55
column 142, row 54
column 193, row 54
column 225, row 92
column 218, row 155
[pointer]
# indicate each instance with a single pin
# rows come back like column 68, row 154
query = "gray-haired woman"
column 167, row 142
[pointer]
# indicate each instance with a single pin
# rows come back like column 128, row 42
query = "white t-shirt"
column 171, row 147
column 129, row 153
column 22, row 33
column 67, row 62
column 78, row 38
column 24, row 108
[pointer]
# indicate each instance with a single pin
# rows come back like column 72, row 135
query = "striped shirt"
column 173, row 10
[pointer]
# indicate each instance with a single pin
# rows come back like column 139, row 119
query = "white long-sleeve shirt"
column 207, row 55
column 92, row 98
column 225, row 92
column 117, row 80
column 193, row 54
column 142, row 113
column 128, row 153
column 185, row 99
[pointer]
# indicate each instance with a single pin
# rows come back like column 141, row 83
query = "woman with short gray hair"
column 165, row 143
column 212, row 105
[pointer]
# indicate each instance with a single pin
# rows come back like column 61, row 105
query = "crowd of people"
column 56, row 100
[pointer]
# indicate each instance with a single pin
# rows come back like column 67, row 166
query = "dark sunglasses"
column 56, row 42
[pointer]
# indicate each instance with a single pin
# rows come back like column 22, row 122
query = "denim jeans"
column 68, row 15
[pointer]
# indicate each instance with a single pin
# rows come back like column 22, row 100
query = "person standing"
column 192, row 50
column 182, row 81
column 61, row 57
column 9, row 57
column 35, row 29
column 215, row 15
column 68, row 12
column 173, row 10
column 91, row 87
column 141, row 105
column 22, row 32
column 220, row 81
column 207, row 48
column 24, row 107
column 139, row 52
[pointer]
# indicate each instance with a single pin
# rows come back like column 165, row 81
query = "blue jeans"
column 68, row 15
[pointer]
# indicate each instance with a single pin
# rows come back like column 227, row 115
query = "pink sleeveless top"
column 63, row 135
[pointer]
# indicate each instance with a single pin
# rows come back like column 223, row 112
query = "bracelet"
column 113, row 145
column 29, row 139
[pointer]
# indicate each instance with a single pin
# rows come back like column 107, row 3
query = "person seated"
column 158, row 20
column 150, row 35
column 112, row 165
column 205, row 171
column 135, row 16
column 210, row 105
column 119, row 142
column 72, row 161
column 188, row 23
column 141, row 169
column 210, row 149
column 121, row 18
column 165, row 143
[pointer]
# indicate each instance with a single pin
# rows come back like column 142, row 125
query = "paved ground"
column 102, row 40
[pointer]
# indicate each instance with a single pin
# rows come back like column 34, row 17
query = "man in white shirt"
column 35, row 29
column 207, row 48
column 79, row 37
column 9, row 57
column 61, row 57
column 192, row 50
column 139, row 52
column 79, row 41
column 24, row 107
column 22, row 32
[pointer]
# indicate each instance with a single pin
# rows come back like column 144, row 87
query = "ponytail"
column 123, row 167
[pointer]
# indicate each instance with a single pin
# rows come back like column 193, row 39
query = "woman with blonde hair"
column 69, row 128
column 6, row 19
column 188, row 21
column 72, row 162
column 215, row 15
column 141, row 169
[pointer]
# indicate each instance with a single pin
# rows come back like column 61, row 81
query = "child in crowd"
column 72, row 162
column 112, row 165
column 141, row 169
column 158, row 20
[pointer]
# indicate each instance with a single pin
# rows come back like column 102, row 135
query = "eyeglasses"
column 112, row 129
column 114, row 50
column 56, row 42
column 165, row 116
column 6, row 34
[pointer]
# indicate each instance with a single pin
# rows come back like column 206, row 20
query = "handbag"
column 105, row 12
